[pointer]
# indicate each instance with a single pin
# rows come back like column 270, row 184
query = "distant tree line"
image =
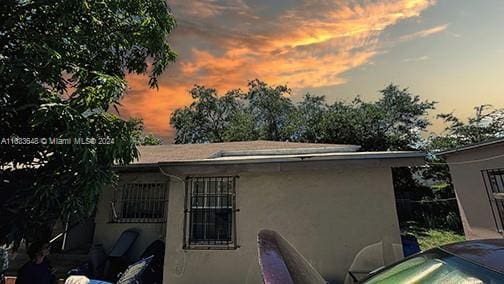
column 393, row 122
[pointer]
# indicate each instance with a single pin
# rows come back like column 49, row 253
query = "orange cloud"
column 154, row 106
column 224, row 44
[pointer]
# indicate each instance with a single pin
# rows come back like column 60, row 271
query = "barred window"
column 494, row 183
column 139, row 203
column 210, row 213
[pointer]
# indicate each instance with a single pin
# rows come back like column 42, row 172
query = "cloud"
column 208, row 8
column 424, row 33
column 454, row 34
column 223, row 44
column 415, row 59
column 154, row 106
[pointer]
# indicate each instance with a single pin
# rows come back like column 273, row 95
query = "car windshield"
column 435, row 266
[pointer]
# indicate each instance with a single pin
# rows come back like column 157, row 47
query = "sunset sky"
column 450, row 51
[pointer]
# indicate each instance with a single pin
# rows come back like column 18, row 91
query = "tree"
column 150, row 139
column 271, row 110
column 487, row 123
column 141, row 138
column 62, row 64
column 207, row 118
column 241, row 128
column 263, row 112
column 394, row 122
column 311, row 115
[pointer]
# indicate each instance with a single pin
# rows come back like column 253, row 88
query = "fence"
column 437, row 213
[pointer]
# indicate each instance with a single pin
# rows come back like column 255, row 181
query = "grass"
column 435, row 237
column 429, row 238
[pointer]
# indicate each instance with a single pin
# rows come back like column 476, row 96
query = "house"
column 478, row 178
column 209, row 201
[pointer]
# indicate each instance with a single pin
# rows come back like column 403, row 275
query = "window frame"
column 117, row 205
column 493, row 179
column 189, row 210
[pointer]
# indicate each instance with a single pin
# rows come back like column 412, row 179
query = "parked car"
column 480, row 261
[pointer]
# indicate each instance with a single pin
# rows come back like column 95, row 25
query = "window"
column 210, row 213
column 139, row 203
column 494, row 183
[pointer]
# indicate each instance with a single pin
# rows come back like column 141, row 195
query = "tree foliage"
column 393, row 122
column 150, row 139
column 62, row 64
column 487, row 123
column 207, row 118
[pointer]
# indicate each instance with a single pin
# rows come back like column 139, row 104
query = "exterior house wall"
column 475, row 210
column 328, row 215
column 107, row 233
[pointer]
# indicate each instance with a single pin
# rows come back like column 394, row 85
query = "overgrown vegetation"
column 429, row 238
column 62, row 65
column 435, row 213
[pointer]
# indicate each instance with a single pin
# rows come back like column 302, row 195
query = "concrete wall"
column 107, row 233
column 328, row 215
column 470, row 189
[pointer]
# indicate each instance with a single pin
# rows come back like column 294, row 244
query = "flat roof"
column 472, row 146
column 192, row 152
column 256, row 152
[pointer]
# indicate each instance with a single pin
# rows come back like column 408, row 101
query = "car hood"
column 488, row 253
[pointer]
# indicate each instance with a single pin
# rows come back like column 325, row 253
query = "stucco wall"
column 107, row 233
column 470, row 189
column 328, row 215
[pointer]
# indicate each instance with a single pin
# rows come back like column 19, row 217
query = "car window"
column 435, row 266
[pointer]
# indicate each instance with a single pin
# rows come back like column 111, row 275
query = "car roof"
column 488, row 253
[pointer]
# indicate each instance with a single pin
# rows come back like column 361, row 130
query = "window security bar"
column 139, row 203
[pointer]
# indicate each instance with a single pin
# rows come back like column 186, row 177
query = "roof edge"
column 286, row 151
column 297, row 158
column 470, row 147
